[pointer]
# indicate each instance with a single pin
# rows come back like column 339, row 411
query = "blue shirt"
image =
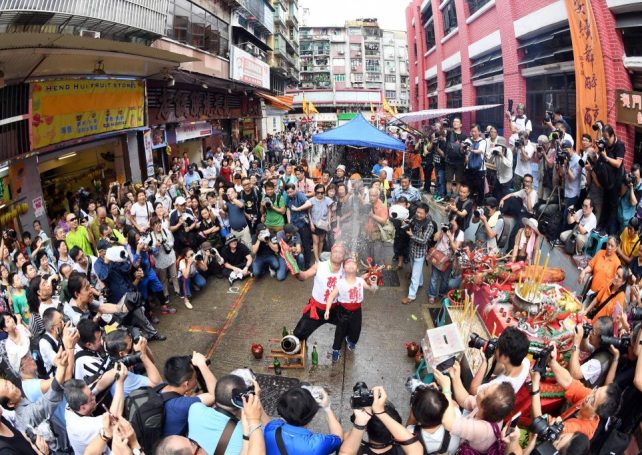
column 625, row 210
column 190, row 178
column 32, row 390
column 115, row 275
column 376, row 169
column 132, row 382
column 299, row 440
column 176, row 413
column 206, row 426
column 572, row 187
column 236, row 215
column 411, row 194
column 297, row 201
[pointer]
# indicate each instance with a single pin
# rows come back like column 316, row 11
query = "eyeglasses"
column 527, row 181
column 71, row 220
column 320, row 192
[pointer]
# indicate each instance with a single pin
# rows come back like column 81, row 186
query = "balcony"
column 120, row 19
column 258, row 13
column 292, row 18
column 279, row 16
column 321, row 69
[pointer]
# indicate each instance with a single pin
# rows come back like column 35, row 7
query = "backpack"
column 475, row 160
column 497, row 448
column 503, row 237
column 444, row 442
column 145, row 410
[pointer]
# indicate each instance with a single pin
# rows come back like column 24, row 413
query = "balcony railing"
column 146, row 15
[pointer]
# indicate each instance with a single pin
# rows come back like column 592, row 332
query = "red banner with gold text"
column 590, row 79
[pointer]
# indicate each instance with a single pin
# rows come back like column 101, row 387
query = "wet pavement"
column 226, row 321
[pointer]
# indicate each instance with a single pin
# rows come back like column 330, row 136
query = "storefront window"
column 547, row 92
column 491, row 94
column 193, row 25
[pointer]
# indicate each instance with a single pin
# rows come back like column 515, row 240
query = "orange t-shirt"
column 607, row 310
column 379, row 210
column 575, row 394
column 604, row 269
column 315, row 174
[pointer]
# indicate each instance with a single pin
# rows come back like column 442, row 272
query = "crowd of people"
column 78, row 309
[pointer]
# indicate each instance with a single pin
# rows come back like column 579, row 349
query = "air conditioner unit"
column 341, row 52
column 358, row 54
column 90, row 33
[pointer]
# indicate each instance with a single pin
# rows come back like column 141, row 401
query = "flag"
column 394, row 106
column 312, row 108
column 386, row 106
column 306, row 109
column 372, row 111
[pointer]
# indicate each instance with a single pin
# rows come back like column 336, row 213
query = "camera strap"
column 279, row 441
column 596, row 310
column 230, row 426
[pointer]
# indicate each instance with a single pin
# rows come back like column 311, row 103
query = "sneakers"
column 557, row 242
column 336, row 355
column 437, row 198
column 166, row 309
column 188, row 305
column 232, row 278
column 407, row 301
column 272, row 272
column 351, row 346
column 157, row 337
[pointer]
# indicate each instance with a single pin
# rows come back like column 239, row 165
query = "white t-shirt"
column 433, row 441
column 589, row 222
column 15, row 352
column 82, row 429
column 141, row 213
column 524, row 197
column 517, row 382
column 350, row 293
column 444, row 243
column 523, row 166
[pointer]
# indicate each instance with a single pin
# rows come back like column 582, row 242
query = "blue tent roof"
column 358, row 132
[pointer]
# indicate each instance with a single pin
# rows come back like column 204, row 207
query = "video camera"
column 362, row 396
column 487, row 346
column 547, row 434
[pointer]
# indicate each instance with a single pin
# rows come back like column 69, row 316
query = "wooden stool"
column 288, row 361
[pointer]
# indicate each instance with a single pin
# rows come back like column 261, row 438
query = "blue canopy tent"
column 358, row 132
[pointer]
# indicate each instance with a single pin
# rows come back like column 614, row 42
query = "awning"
column 438, row 113
column 39, row 55
column 283, row 102
column 358, row 132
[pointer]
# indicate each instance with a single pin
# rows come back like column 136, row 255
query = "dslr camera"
column 519, row 143
column 362, row 396
column 547, row 434
column 541, row 356
column 601, row 144
column 597, row 126
column 445, row 227
column 548, row 116
column 587, row 329
column 621, row 344
column 268, row 203
column 488, row 346
column 264, row 235
column 628, row 178
column 146, row 240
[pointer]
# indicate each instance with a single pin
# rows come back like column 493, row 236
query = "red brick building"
column 468, row 52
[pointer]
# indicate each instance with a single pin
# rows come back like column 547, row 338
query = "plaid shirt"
column 421, row 235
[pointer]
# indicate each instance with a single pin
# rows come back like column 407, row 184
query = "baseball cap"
column 180, row 200
column 290, row 228
column 230, row 238
column 342, row 167
column 567, row 144
column 491, row 202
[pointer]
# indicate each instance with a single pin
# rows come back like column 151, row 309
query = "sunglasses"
column 320, row 192
column 72, row 219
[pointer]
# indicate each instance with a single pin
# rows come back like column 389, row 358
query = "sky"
column 390, row 13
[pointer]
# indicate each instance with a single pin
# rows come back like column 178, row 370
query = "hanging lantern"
column 372, row 118
column 382, row 121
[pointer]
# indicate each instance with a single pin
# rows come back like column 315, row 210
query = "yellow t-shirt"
column 629, row 244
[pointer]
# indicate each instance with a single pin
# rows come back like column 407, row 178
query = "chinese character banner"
column 70, row 109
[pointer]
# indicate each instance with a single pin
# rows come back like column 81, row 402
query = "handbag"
column 323, row 225
column 438, row 259
column 386, row 231
column 591, row 314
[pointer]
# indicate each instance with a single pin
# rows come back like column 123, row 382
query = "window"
column 373, row 65
column 354, row 31
column 339, row 77
column 390, row 66
column 391, row 78
column 453, row 77
column 487, row 65
column 632, row 40
column 453, row 99
column 432, row 102
column 191, row 24
column 355, row 63
column 339, row 62
column 355, row 47
column 549, row 47
column 391, row 95
column 547, row 92
column 475, row 5
column 491, row 94
column 429, row 32
column 449, row 16
column 357, row 77
column 431, row 85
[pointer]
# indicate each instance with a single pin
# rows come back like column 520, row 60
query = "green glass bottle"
column 315, row 356
column 285, row 331
column 277, row 366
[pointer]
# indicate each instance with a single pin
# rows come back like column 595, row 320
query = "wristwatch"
column 574, row 348
column 137, row 451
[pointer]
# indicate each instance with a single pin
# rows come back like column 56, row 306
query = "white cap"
column 180, row 200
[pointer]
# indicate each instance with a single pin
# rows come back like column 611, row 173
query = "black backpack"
column 145, row 410
column 444, row 442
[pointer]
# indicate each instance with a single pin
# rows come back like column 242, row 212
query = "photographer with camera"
column 630, row 195
column 524, row 150
column 130, row 349
column 297, row 407
column 454, row 158
column 273, row 209
column 510, row 362
column 518, row 122
column 582, row 222
column 386, row 434
column 265, row 250
column 587, row 406
column 611, row 152
column 183, row 224
column 165, row 258
column 475, row 164
column 491, row 229
column 237, row 259
column 218, row 429
column 480, row 429
column 501, row 158
column 449, row 238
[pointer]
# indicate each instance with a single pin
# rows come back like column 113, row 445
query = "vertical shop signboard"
column 71, row 109
column 590, row 77
column 149, row 157
column 629, row 107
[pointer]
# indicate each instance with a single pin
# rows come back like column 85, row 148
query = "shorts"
column 455, row 172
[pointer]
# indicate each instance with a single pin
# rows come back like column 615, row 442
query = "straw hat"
column 531, row 223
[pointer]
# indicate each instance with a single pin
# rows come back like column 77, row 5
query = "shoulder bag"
column 438, row 259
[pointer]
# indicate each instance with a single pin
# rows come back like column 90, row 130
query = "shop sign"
column 149, row 157
column 159, row 137
column 629, row 107
column 70, row 109
column 38, row 207
column 193, row 130
column 175, row 105
column 248, row 69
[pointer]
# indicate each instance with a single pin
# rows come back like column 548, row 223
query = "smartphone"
column 513, row 422
column 112, row 417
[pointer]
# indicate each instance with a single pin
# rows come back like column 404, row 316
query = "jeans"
column 441, row 181
column 187, row 283
column 436, row 275
column 417, row 277
column 277, row 264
